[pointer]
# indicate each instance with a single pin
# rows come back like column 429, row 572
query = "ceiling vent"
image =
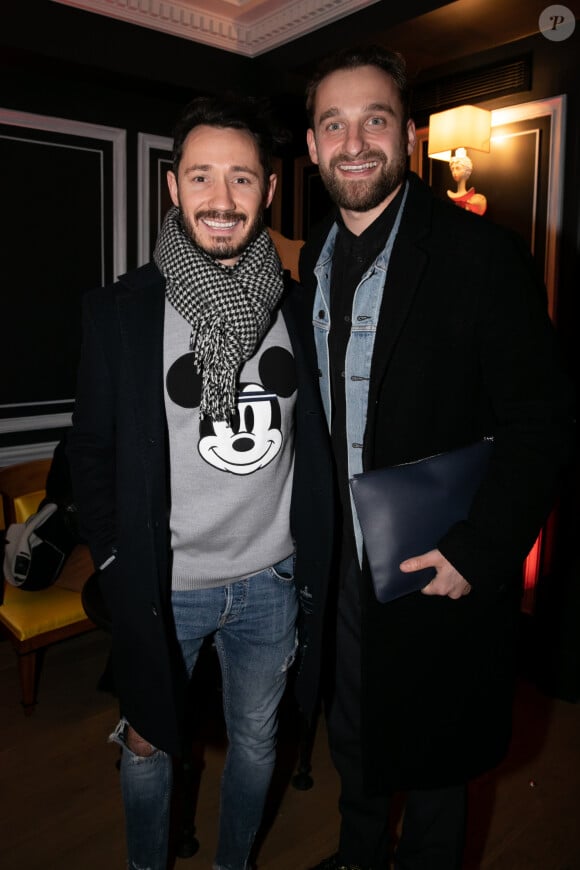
column 473, row 86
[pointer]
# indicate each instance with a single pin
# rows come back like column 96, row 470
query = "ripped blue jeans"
column 253, row 624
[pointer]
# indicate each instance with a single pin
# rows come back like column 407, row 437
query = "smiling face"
column 250, row 440
column 221, row 191
column 360, row 142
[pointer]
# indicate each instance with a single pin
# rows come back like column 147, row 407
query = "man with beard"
column 430, row 333
column 197, row 432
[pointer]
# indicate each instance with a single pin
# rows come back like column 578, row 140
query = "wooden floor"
column 60, row 807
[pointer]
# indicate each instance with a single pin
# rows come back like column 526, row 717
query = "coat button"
column 154, row 610
column 321, row 315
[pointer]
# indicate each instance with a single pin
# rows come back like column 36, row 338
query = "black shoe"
column 334, row 863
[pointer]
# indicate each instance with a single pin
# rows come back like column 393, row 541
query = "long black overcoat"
column 464, row 348
column 119, row 461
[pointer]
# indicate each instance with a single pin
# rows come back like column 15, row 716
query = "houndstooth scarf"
column 229, row 309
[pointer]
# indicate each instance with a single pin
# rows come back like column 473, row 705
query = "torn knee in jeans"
column 137, row 744
column 126, row 736
column 290, row 658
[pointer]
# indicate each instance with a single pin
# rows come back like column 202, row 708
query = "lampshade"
column 463, row 127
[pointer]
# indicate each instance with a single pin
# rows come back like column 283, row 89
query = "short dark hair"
column 390, row 62
column 233, row 111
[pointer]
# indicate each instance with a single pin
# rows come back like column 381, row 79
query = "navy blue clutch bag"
column 405, row 510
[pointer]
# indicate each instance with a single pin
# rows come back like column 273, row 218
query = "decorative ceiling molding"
column 247, row 27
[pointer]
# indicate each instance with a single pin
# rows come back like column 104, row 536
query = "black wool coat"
column 119, row 463
column 464, row 349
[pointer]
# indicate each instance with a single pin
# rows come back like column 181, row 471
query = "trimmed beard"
column 364, row 195
column 224, row 249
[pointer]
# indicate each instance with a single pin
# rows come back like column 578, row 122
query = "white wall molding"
column 26, row 452
column 34, row 423
column 146, row 142
column 249, row 28
column 555, row 108
column 117, row 137
column 80, row 136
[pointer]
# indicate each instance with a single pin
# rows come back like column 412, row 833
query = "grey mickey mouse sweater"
column 230, row 484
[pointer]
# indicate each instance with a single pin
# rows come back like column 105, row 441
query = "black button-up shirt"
column 353, row 255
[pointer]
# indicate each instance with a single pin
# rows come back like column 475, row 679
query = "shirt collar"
column 371, row 241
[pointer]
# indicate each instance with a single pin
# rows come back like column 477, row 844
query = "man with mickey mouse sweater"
column 197, row 435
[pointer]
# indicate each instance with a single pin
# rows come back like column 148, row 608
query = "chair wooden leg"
column 27, row 674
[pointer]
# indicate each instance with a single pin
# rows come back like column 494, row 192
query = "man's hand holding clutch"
column 447, row 581
column 407, row 509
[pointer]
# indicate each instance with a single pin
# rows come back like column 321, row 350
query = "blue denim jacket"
column 366, row 307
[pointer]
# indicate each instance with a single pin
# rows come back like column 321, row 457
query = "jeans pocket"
column 284, row 570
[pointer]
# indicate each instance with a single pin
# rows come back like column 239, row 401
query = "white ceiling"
column 247, row 27
column 452, row 29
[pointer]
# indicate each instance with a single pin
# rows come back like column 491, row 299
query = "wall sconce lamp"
column 450, row 134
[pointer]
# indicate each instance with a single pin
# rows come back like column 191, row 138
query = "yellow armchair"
column 33, row 621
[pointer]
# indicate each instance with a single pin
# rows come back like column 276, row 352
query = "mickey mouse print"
column 253, row 437
column 231, row 482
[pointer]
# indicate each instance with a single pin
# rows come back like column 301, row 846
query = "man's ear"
column 411, row 136
column 270, row 189
column 172, row 185
column 311, row 142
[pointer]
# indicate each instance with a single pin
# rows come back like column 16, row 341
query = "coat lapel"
column 297, row 311
column 141, row 307
column 407, row 265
